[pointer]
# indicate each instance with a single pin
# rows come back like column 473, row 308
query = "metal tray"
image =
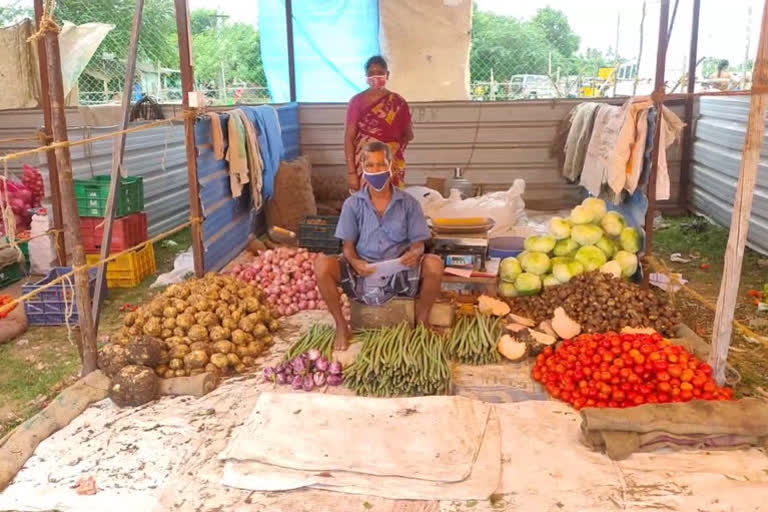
column 460, row 229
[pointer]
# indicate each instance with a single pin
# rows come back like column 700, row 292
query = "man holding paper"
column 383, row 230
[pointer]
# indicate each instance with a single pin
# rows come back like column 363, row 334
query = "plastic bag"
column 183, row 266
column 506, row 208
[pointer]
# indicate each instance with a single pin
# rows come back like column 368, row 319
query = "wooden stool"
column 393, row 312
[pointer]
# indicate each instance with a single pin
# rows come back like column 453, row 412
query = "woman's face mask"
column 378, row 180
column 377, row 81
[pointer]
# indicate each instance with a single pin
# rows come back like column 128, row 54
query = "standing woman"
column 376, row 114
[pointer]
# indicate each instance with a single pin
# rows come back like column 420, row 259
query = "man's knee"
column 326, row 266
column 432, row 266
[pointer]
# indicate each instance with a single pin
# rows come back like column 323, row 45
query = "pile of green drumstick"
column 399, row 361
column 473, row 340
column 319, row 336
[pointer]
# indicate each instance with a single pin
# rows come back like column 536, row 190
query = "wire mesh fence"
column 518, row 52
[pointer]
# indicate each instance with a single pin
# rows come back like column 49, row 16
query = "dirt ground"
column 41, row 362
column 704, row 245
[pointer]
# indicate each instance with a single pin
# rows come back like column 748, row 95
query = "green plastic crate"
column 92, row 196
column 10, row 274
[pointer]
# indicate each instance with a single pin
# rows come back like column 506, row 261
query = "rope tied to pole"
column 47, row 23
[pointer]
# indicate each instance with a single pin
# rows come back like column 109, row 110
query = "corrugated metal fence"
column 494, row 142
column 720, row 134
column 228, row 221
column 158, row 155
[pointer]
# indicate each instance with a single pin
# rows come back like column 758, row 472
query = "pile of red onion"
column 287, row 276
column 33, row 180
column 21, row 200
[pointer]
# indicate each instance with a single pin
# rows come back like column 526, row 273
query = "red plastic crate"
column 126, row 232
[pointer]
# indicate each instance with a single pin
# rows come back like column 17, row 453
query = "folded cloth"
column 695, row 424
column 237, row 154
column 217, row 135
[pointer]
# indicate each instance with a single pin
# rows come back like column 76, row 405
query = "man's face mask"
column 378, row 180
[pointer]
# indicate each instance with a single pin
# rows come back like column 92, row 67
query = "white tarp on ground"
column 19, row 68
column 163, row 456
column 427, row 46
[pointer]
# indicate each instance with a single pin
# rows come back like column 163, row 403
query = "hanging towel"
column 671, row 128
column 578, row 139
column 237, row 154
column 621, row 160
column 217, row 135
column 255, row 163
column 597, row 161
column 270, row 143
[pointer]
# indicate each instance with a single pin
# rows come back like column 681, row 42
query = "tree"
column 201, row 20
column 157, row 41
column 557, row 30
column 233, row 48
column 13, row 13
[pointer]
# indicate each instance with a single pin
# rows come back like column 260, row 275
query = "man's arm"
column 418, row 233
column 359, row 264
column 413, row 255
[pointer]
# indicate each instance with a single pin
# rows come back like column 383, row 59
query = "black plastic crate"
column 317, row 234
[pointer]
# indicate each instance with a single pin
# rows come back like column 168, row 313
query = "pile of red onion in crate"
column 287, row 276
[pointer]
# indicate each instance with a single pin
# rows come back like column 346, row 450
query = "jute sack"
column 293, row 197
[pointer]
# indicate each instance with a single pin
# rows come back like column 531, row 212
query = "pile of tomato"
column 625, row 370
column 5, row 299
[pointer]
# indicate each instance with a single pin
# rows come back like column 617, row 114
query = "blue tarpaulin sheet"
column 332, row 41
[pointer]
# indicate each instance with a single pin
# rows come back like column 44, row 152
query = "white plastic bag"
column 183, row 265
column 506, row 208
column 41, row 252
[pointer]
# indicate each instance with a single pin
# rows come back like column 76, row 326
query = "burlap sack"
column 293, row 197
column 13, row 325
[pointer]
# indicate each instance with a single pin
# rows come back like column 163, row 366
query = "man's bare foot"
column 342, row 338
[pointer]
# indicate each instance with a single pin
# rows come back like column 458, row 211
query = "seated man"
column 379, row 223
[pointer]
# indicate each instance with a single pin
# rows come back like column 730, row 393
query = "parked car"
column 531, row 87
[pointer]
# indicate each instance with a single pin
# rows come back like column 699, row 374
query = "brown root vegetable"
column 129, row 319
column 233, row 359
column 144, row 350
column 241, row 368
column 169, row 374
column 223, row 347
column 218, row 333
column 185, row 320
column 239, row 337
column 112, row 358
column 255, row 348
column 153, row 327
column 179, row 351
column 161, row 369
column 134, row 385
column 198, row 333
column 195, row 359
column 176, row 364
column 180, row 373
column 248, row 361
column 220, row 360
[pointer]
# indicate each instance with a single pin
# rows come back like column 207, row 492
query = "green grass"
column 47, row 361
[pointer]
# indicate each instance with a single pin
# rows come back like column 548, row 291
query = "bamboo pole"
column 685, row 166
column 742, row 208
column 71, row 220
column 658, row 94
column 188, row 86
column 118, row 150
column 53, row 170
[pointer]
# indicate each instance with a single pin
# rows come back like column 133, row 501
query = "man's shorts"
column 402, row 284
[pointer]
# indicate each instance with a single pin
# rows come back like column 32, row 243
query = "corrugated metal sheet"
column 720, row 134
column 494, row 142
column 228, row 221
column 157, row 154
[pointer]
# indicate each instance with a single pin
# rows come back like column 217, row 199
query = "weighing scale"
column 462, row 246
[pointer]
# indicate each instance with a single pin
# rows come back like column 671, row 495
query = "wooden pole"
column 87, row 343
column 188, row 86
column 291, row 53
column 118, row 150
column 658, row 93
column 639, row 51
column 742, row 209
column 53, row 170
column 687, row 157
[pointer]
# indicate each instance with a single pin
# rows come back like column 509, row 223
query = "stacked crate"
column 129, row 229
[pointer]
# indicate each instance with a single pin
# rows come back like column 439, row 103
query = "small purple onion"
column 319, row 378
column 335, row 368
column 297, row 382
column 335, row 380
column 282, row 378
column 298, row 365
column 313, row 354
column 309, row 383
column 322, row 364
column 269, row 373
